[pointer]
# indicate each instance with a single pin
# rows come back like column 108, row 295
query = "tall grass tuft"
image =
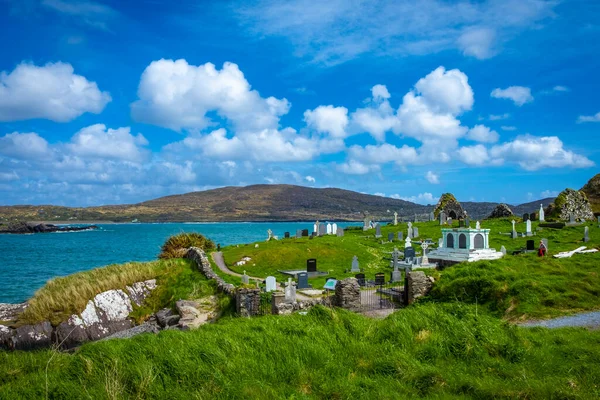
column 176, row 246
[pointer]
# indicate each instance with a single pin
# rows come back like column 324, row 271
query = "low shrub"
column 176, row 246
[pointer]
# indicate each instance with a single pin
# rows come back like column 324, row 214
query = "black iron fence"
column 377, row 295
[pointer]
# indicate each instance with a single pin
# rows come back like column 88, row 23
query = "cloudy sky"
column 106, row 102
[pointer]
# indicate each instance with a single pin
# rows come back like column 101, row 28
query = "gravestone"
column 379, row 279
column 395, row 218
column 525, row 217
column 298, row 233
column 316, row 227
column 303, row 281
column 340, row 232
column 532, row 216
column 528, row 228
column 431, row 216
column 401, row 234
column 355, row 267
column 334, row 229
column 442, row 218
column 377, row 231
column 503, row 250
column 366, row 223
column 477, row 225
column 390, row 237
column 409, row 253
column 311, row 265
column 571, row 218
column 290, row 291
column 531, row 245
column 286, row 235
column 396, row 276
column 245, row 279
column 545, row 241
column 361, row 279
column 541, row 213
column 322, row 229
column 304, row 232
column 329, row 229
column 415, row 232
column 514, row 231
column 441, row 242
column 586, row 234
column 467, row 222
column 450, row 221
column 271, row 283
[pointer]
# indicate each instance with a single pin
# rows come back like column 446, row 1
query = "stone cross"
column 477, row 225
column 290, row 291
column 407, row 242
column 270, row 233
column 395, row 218
column 245, row 279
column 542, row 213
column 395, row 255
column 514, row 231
column 366, row 222
column 316, row 227
column 424, row 246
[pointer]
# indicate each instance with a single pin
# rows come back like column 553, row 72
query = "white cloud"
column 560, row 88
column 493, row 117
column 91, row 13
column 310, row 179
column 336, row 31
column 589, row 118
column 353, row 167
column 548, row 193
column 533, row 153
column 177, row 95
column 98, row 141
column 518, row 94
column 446, row 91
column 432, row 177
column 481, row 133
column 23, row 145
column 379, row 194
column 421, row 198
column 51, row 92
column 380, row 92
column 383, row 153
column 474, row 155
column 328, row 119
column 508, row 128
column 478, row 42
column 378, row 117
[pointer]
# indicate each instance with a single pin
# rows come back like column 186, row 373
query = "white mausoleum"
column 464, row 244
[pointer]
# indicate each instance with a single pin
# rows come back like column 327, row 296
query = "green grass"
column 515, row 287
column 62, row 297
column 426, row 351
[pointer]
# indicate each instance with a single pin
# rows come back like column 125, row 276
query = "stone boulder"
column 592, row 191
column 166, row 318
column 140, row 290
column 347, row 294
column 501, row 211
column 450, row 206
column 570, row 202
column 198, row 312
column 10, row 312
column 32, row 337
column 419, row 285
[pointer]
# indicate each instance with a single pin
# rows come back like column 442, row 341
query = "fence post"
column 277, row 298
column 347, row 294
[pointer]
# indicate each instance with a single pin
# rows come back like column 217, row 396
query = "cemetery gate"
column 379, row 294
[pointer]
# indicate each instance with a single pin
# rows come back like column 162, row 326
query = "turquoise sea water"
column 28, row 261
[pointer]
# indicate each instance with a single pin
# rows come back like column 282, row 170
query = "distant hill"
column 250, row 203
column 592, row 191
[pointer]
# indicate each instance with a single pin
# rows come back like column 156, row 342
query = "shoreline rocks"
column 23, row 228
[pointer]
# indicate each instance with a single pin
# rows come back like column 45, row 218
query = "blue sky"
column 108, row 102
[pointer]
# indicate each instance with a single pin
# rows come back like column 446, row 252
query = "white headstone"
column 316, row 227
column 245, row 279
column 410, row 232
column 334, row 229
column 355, row 267
column 542, row 213
column 477, row 225
column 441, row 242
column 528, row 224
column 290, row 291
column 513, row 222
column 395, row 218
column 407, row 242
column 415, row 232
column 329, row 229
column 271, row 283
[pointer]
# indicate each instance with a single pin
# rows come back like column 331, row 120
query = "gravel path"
column 586, row 320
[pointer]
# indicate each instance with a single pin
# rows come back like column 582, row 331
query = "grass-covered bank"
column 431, row 350
column 61, row 297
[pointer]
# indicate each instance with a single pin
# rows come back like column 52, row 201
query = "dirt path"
column 585, row 320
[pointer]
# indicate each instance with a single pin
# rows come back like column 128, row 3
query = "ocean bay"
column 28, row 261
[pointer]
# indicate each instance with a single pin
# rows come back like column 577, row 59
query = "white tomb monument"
column 271, row 284
column 465, row 244
column 542, row 217
column 334, row 229
column 528, row 225
column 329, row 229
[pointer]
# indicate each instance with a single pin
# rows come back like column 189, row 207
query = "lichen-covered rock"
column 140, row 290
column 89, row 315
column 113, row 305
column 31, row 337
column 71, row 333
column 104, row 329
column 592, row 191
column 501, row 211
column 146, row 327
column 570, row 202
column 6, row 335
column 419, row 285
column 10, row 312
column 450, row 206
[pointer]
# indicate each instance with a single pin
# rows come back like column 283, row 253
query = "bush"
column 176, row 246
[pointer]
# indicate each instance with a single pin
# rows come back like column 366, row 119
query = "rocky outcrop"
column 592, row 191
column 197, row 312
column 419, row 285
column 23, row 228
column 501, row 211
column 570, row 202
column 10, row 312
column 103, row 316
column 347, row 294
column 199, row 256
column 450, row 206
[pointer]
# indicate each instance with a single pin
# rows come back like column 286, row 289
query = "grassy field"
column 61, row 297
column 426, row 351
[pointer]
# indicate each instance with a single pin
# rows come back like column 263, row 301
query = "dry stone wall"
column 419, row 285
column 201, row 259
